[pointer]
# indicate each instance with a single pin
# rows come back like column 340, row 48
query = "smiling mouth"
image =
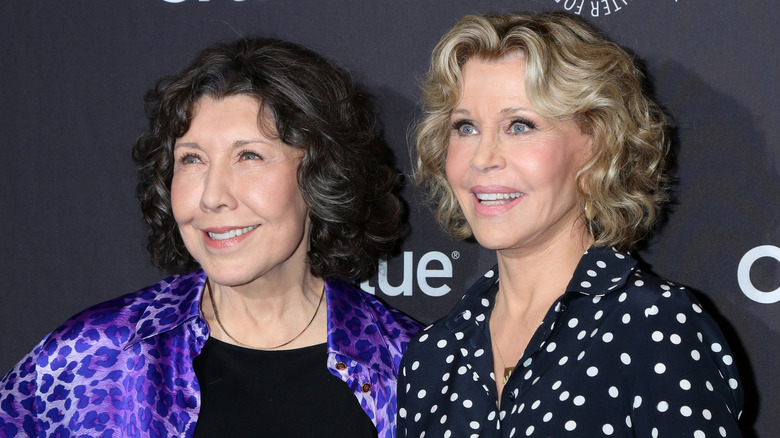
column 232, row 233
column 490, row 199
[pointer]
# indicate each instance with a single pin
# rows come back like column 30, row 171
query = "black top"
column 287, row 393
column 620, row 354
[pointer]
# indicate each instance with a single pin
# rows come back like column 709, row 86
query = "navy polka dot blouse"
column 621, row 353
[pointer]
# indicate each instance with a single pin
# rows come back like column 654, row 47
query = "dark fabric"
column 621, row 353
column 288, row 393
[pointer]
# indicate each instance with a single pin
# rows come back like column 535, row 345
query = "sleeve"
column 686, row 381
column 18, row 392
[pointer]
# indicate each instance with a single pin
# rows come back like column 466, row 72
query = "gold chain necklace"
column 216, row 316
column 507, row 370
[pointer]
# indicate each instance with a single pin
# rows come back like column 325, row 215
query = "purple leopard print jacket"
column 123, row 368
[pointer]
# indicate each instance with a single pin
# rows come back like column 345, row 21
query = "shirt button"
column 366, row 387
column 341, row 366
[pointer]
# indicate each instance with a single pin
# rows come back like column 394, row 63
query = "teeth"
column 232, row 233
column 497, row 196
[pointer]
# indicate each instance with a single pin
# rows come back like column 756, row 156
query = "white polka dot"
column 619, row 255
column 716, row 347
column 598, row 315
column 462, row 370
column 727, row 359
column 579, row 400
column 417, row 417
column 581, row 355
column 607, row 429
column 696, row 308
column 639, row 283
column 659, row 368
column 421, row 394
column 492, row 415
column 485, row 302
column 467, row 403
column 607, row 337
column 722, row 431
column 709, row 385
column 652, row 310
column 581, row 335
column 464, row 352
column 527, row 362
column 570, row 425
column 596, row 299
column 626, row 318
column 622, row 296
column 445, row 377
column 563, row 360
column 585, row 284
column 528, row 375
column 480, row 317
column 551, row 347
column 654, row 433
column 628, row 421
column 685, row 384
column 402, row 413
column 434, row 408
column 466, row 315
column 459, row 335
column 564, row 396
column 592, row 273
column 489, row 274
column 695, row 354
column 699, row 434
column 529, row 431
column 592, row 371
column 601, row 264
column 536, row 404
column 556, row 385
column 415, row 365
column 479, row 353
column 706, row 414
column 445, row 389
column 454, row 396
column 657, row 336
column 625, row 358
column 448, row 434
column 442, row 343
column 686, row 411
column 681, row 318
column 547, row 417
column 474, row 425
column 573, row 322
column 613, row 392
column 675, row 338
column 637, row 401
column 662, row 406
column 733, row 383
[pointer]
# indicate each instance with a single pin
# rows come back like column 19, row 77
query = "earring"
column 590, row 213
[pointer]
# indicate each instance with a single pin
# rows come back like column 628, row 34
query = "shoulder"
column 352, row 308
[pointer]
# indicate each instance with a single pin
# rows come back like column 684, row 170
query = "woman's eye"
column 464, row 127
column 519, row 128
column 189, row 159
column 249, row 155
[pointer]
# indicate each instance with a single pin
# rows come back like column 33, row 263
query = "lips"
column 226, row 236
column 495, row 200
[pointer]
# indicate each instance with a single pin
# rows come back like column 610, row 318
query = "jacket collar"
column 172, row 302
column 354, row 331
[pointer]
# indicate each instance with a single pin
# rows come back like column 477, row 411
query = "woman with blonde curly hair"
column 539, row 141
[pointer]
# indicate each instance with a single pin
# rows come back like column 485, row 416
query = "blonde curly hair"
column 571, row 72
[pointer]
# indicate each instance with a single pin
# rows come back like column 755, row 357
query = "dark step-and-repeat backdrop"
column 73, row 74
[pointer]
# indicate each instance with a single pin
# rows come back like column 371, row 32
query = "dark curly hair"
column 343, row 176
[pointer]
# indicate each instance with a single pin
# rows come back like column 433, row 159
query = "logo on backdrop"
column 743, row 274
column 433, row 269
column 593, row 8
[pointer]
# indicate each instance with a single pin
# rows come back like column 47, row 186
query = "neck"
column 532, row 278
column 267, row 312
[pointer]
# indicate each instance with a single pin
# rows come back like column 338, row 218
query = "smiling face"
column 512, row 170
column 235, row 195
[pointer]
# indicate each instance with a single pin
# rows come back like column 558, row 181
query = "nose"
column 487, row 156
column 218, row 189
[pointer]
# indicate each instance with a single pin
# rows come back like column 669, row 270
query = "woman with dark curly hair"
column 539, row 141
column 261, row 175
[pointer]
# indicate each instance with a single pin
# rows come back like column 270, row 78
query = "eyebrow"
column 504, row 112
column 236, row 144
